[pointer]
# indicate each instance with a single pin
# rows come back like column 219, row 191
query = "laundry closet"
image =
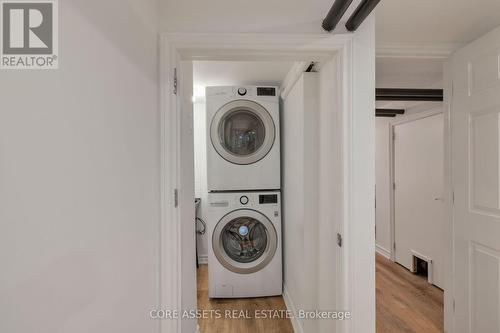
column 258, row 130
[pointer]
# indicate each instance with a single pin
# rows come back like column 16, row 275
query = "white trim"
column 256, row 47
column 297, row 326
column 383, row 251
column 391, row 193
column 169, row 232
column 416, row 50
column 449, row 283
column 356, row 291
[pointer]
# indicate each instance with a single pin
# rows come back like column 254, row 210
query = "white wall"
column 330, row 212
column 79, row 174
column 383, row 181
column 300, row 166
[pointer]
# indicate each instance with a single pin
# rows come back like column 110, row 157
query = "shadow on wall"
column 200, row 172
column 69, row 269
column 129, row 29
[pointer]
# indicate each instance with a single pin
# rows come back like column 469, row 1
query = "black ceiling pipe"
column 391, row 115
column 360, row 14
column 333, row 17
column 394, row 94
column 390, row 111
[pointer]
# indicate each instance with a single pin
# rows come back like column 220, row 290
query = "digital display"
column 266, row 91
column 268, row 199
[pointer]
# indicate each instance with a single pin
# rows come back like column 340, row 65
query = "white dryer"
column 243, row 138
column 244, row 258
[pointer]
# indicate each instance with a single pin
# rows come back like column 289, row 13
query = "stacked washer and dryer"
column 243, row 178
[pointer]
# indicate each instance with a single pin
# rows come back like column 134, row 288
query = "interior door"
column 418, row 195
column 475, row 124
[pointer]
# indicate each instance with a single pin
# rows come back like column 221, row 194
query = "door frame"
column 353, row 84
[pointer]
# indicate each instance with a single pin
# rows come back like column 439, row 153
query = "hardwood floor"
column 242, row 325
column 406, row 302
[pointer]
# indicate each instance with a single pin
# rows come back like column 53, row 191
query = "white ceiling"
column 435, row 21
column 221, row 73
column 409, row 73
column 277, row 16
column 409, row 21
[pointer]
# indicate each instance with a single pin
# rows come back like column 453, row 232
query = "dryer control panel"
column 250, row 200
column 267, row 93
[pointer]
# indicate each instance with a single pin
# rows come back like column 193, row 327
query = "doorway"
column 411, row 227
column 178, row 238
column 239, row 245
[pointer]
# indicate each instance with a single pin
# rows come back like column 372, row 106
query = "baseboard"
column 203, row 259
column 383, row 251
column 297, row 327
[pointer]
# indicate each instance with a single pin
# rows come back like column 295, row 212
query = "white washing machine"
column 243, row 138
column 244, row 252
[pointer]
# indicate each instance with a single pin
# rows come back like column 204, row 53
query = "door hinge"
column 453, row 305
column 394, row 246
column 176, row 197
column 394, row 185
column 393, row 135
column 453, row 197
column 339, row 240
column 175, row 81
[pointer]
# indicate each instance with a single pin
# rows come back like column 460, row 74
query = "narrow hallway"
column 406, row 303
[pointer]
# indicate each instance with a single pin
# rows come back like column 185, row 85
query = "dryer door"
column 242, row 132
column 244, row 241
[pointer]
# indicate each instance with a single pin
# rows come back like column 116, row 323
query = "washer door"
column 242, row 132
column 244, row 241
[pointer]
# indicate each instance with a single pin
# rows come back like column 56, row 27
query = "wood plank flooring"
column 406, row 303
column 241, row 325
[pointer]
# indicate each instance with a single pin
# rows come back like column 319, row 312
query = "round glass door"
column 242, row 132
column 244, row 241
